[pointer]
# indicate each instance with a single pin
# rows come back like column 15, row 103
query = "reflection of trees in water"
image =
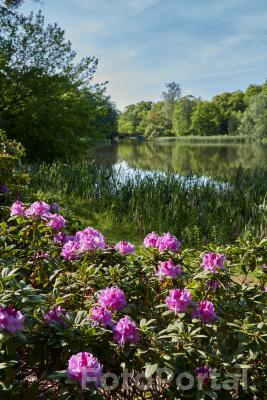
column 200, row 159
column 105, row 154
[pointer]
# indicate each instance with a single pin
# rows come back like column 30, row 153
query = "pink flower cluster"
column 124, row 247
column 62, row 238
column 56, row 222
column 55, row 315
column 151, row 240
column 17, row 208
column 205, row 311
column 212, row 261
column 125, row 331
column 165, row 242
column 11, row 320
column 101, row 316
column 39, row 209
column 179, row 300
column 167, row 269
column 112, row 298
column 83, row 241
column 84, row 368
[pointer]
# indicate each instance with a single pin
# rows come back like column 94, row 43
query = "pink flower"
column 169, row 270
column 90, row 240
column 265, row 289
column 212, row 260
column 38, row 209
column 205, row 311
column 17, row 208
column 11, row 320
column 214, row 285
column 56, row 221
column 70, row 250
column 179, row 300
column 84, row 368
column 62, row 238
column 124, row 247
column 168, row 242
column 125, row 331
column 55, row 315
column 150, row 240
column 101, row 316
column 203, row 374
column 112, row 298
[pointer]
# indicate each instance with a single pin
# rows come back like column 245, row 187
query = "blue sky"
column 208, row 46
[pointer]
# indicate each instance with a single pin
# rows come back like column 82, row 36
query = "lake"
column 205, row 159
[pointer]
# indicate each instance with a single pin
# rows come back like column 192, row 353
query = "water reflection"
column 201, row 159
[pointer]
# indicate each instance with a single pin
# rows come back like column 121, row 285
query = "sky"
column 208, row 46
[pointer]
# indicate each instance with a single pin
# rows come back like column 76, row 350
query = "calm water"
column 206, row 160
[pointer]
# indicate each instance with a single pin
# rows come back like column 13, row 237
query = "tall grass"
column 194, row 210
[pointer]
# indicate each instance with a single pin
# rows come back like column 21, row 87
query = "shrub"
column 12, row 181
column 89, row 319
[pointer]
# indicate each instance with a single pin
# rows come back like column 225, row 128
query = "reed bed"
column 196, row 211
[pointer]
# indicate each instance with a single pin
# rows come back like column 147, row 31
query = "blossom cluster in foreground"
column 40, row 209
column 11, row 320
column 165, row 242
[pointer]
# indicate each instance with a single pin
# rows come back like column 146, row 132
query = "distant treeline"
column 47, row 99
column 235, row 113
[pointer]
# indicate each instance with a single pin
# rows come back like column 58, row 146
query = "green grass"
column 196, row 213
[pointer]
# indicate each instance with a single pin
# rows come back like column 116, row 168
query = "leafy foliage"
column 236, row 113
column 13, row 182
column 33, row 362
column 48, row 101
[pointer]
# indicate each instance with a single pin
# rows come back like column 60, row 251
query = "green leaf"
column 211, row 393
column 150, row 370
column 8, row 364
column 58, row 375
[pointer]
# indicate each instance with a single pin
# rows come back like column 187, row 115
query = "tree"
column 170, row 97
column 206, row 119
column 133, row 120
column 15, row 3
column 251, row 91
column 229, row 104
column 181, row 119
column 47, row 100
column 254, row 119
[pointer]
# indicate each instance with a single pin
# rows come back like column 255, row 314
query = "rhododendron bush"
column 83, row 319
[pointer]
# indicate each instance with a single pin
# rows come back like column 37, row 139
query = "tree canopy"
column 229, row 113
column 48, row 101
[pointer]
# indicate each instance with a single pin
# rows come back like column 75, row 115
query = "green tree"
column 47, row 100
column 133, row 121
column 254, row 119
column 170, row 97
column 157, row 124
column 206, row 119
column 251, row 91
column 229, row 104
column 181, row 119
